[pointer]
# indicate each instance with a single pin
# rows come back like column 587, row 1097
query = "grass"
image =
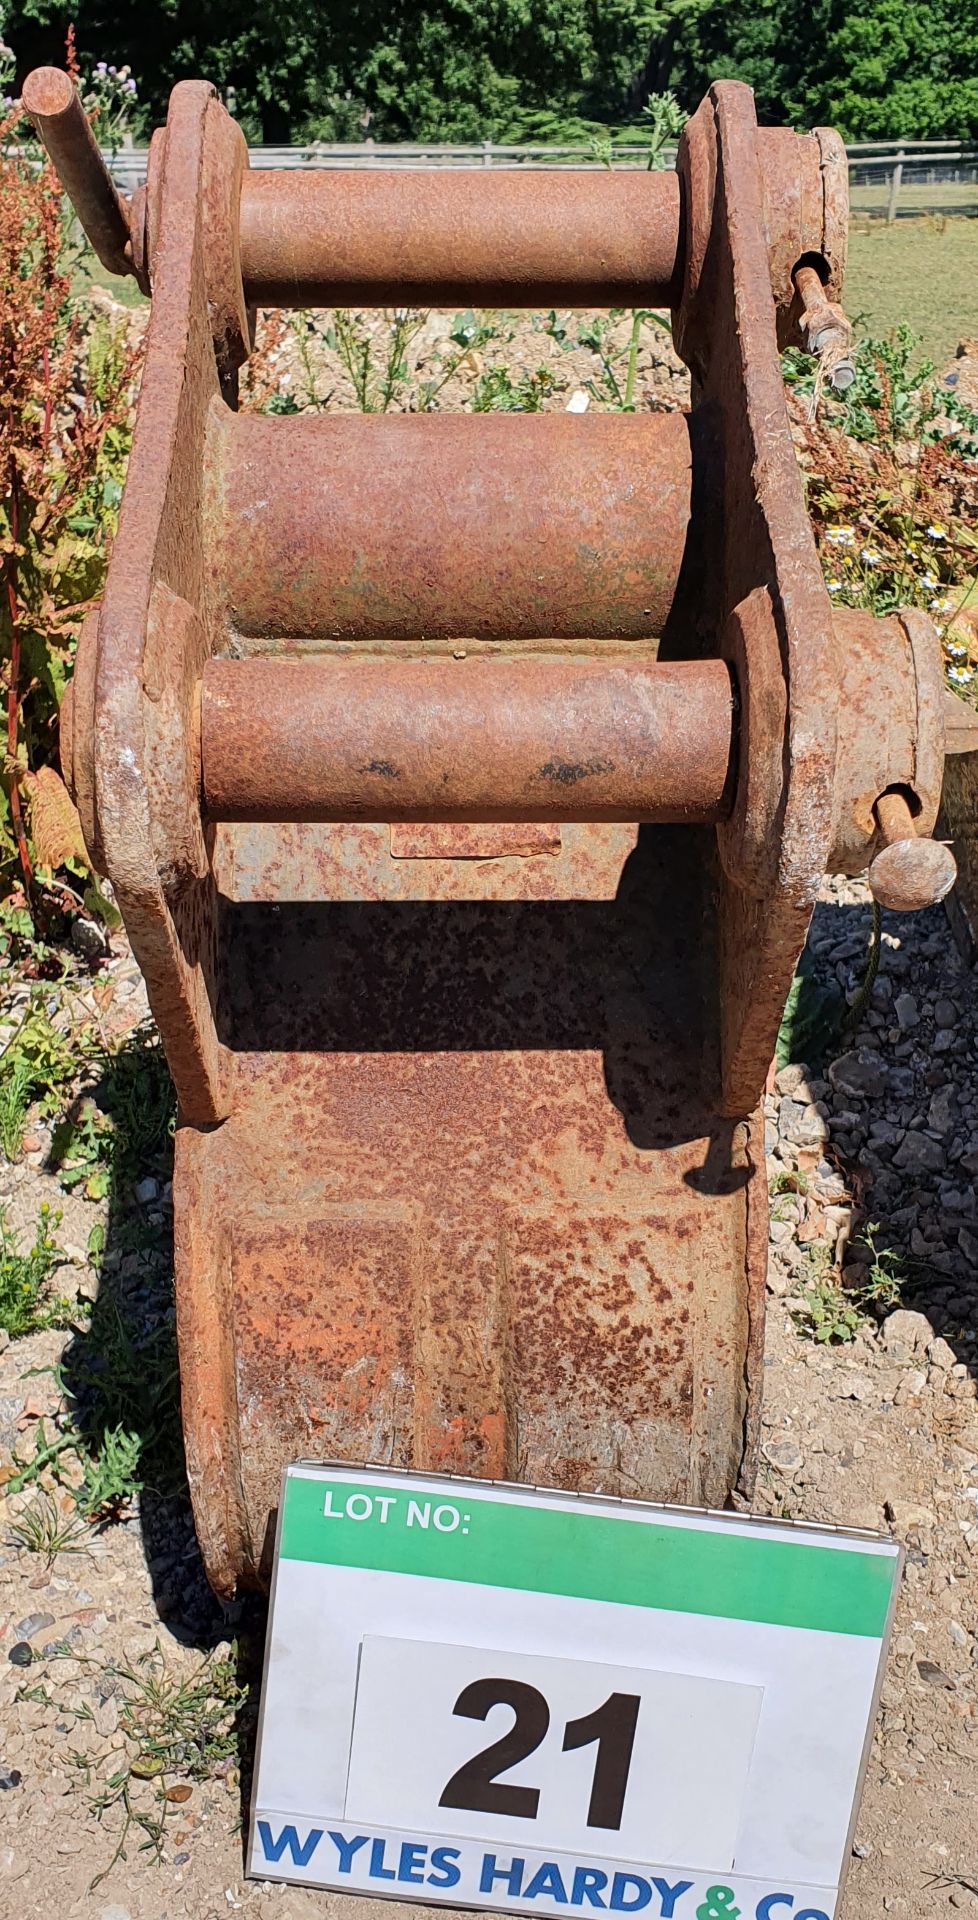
column 91, row 273
column 919, row 272
column 918, row 199
column 48, row 1527
column 172, row 1732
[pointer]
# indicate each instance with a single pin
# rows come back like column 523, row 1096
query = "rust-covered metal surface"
column 432, row 526
column 959, row 815
column 468, row 740
column 54, row 104
column 437, row 238
column 492, row 1268
column 466, row 785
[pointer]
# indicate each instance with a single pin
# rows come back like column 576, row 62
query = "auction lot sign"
column 484, row 1695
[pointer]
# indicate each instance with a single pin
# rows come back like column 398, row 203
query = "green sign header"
column 459, row 1533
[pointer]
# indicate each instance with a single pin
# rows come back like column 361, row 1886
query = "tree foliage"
column 876, row 69
column 518, row 69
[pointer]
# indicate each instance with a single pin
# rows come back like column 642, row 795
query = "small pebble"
column 783, row 1454
column 33, row 1623
column 934, row 1676
column 21, row 1654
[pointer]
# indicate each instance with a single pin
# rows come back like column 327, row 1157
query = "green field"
column 924, row 272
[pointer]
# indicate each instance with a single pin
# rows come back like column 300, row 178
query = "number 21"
column 612, row 1725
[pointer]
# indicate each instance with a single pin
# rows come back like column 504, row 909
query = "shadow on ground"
column 899, row 1093
column 121, row 1370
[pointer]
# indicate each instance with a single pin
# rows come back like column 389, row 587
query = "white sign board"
column 492, row 1696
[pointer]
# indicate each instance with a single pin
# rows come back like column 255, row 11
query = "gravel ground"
column 880, row 1431
column 539, row 368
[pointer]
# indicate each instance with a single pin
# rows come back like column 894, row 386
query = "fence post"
column 895, row 180
column 487, row 153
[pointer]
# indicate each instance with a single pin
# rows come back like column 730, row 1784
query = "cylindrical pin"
column 826, row 328
column 412, row 526
column 477, row 739
column 52, row 101
column 442, row 236
column 908, row 873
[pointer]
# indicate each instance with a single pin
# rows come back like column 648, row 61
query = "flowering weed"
column 892, row 486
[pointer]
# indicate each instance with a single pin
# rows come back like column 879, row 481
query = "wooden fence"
column 886, row 168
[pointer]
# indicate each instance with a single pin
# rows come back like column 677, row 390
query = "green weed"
column 304, row 333
column 886, row 1274
column 831, row 1313
column 118, row 1431
column 827, row 1312
column 45, row 1528
column 663, row 120
column 470, row 333
column 814, row 1015
column 115, row 1128
column 376, row 365
column 119, row 1428
column 893, row 398
column 17, row 939
column 171, row 1732
column 24, row 1277
column 115, row 1132
column 377, row 361
column 38, row 1064
column 613, row 385
column 788, row 1180
column 496, row 391
column 111, row 1480
column 16, row 1088
column 817, row 1017
column 82, row 1150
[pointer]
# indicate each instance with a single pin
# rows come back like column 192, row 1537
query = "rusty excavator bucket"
column 466, row 783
